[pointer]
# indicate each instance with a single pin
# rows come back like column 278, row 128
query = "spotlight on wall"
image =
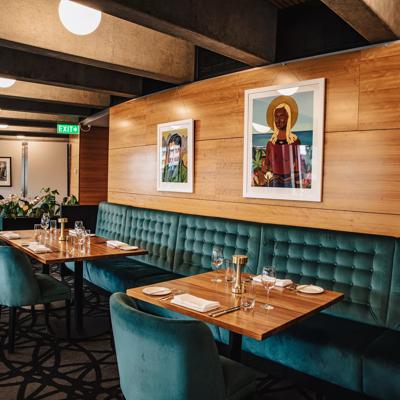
column 6, row 83
column 78, row 19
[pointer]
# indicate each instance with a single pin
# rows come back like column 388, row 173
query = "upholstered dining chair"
column 167, row 359
column 19, row 286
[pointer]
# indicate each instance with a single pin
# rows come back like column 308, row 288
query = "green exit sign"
column 68, row 129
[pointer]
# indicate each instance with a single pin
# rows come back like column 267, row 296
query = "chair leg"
column 33, row 314
column 11, row 329
column 68, row 318
column 46, row 315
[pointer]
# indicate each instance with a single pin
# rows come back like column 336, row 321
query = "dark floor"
column 45, row 368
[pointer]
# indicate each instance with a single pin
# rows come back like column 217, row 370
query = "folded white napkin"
column 194, row 303
column 120, row 245
column 10, row 235
column 39, row 248
column 278, row 283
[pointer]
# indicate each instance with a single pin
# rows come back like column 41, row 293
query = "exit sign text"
column 68, row 129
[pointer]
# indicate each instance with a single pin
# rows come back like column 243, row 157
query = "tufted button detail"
column 351, row 284
column 369, row 287
column 334, row 280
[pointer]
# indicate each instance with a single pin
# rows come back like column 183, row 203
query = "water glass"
column 229, row 271
column 44, row 222
column 37, row 228
column 53, row 227
column 268, row 279
column 71, row 244
column 79, row 226
column 248, row 298
column 87, row 239
column 217, row 259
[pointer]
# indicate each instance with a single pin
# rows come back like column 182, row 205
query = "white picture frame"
column 178, row 176
column 264, row 174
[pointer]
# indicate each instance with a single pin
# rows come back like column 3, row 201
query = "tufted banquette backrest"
column 197, row 235
column 111, row 220
column 357, row 265
column 156, row 232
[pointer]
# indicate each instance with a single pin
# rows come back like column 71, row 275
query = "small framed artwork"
column 175, row 156
column 283, row 141
column 5, row 171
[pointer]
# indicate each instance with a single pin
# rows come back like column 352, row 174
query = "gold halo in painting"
column 290, row 101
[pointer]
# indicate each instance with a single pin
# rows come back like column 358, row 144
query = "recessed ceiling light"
column 3, row 126
column 78, row 19
column 288, row 91
column 20, row 137
column 6, row 83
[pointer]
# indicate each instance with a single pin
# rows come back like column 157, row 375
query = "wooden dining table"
column 290, row 306
column 59, row 254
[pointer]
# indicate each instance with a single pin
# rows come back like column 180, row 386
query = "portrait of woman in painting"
column 280, row 167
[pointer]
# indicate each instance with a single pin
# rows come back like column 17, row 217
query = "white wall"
column 12, row 148
column 47, row 165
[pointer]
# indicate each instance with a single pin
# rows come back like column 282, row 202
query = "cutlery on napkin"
column 116, row 244
column 39, row 248
column 219, row 313
column 10, row 235
column 278, row 282
column 194, row 303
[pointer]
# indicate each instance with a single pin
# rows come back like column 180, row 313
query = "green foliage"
column 257, row 161
column 14, row 206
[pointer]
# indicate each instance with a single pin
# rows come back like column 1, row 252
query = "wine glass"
column 268, row 279
column 79, row 226
column 217, row 259
column 44, row 222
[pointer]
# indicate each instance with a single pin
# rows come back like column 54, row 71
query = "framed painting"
column 283, row 141
column 175, row 156
column 5, row 171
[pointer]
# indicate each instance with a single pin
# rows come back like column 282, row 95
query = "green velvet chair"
column 19, row 286
column 164, row 359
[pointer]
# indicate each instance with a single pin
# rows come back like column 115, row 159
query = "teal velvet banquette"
column 354, row 344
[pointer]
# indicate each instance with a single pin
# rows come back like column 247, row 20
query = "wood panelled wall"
column 361, row 184
column 89, row 157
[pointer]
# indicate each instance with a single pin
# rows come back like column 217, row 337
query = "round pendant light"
column 6, row 83
column 78, row 19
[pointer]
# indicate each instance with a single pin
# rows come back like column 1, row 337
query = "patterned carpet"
column 45, row 368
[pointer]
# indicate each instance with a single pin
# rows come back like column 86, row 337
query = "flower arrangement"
column 14, row 206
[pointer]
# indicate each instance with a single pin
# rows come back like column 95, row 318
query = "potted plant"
column 17, row 212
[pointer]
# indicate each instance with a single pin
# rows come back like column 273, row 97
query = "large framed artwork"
column 283, row 141
column 175, row 156
column 5, row 171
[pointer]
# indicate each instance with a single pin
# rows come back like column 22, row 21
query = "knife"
column 223, row 312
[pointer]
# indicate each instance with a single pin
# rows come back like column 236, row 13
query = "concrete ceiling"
column 143, row 46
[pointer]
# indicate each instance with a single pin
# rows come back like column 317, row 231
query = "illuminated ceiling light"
column 20, row 137
column 6, row 83
column 3, row 126
column 261, row 128
column 78, row 19
column 288, row 91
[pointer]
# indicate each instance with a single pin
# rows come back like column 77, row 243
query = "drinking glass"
column 37, row 228
column 71, row 240
column 268, row 279
column 248, row 298
column 229, row 271
column 79, row 225
column 53, row 227
column 87, row 239
column 217, row 259
column 44, row 222
column 80, row 240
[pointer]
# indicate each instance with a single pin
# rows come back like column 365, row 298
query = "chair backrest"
column 164, row 359
column 197, row 235
column 154, row 231
column 393, row 321
column 111, row 219
column 18, row 286
column 358, row 265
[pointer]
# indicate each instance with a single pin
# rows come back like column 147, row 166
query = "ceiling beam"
column 27, row 122
column 37, row 68
column 28, row 116
column 29, row 90
column 375, row 20
column 31, row 134
column 15, row 104
column 116, row 44
column 242, row 30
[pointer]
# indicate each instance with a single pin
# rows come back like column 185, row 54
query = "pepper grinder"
column 62, row 221
column 239, row 261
